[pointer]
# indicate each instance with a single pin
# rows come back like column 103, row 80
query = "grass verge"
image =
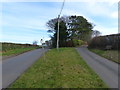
column 109, row 54
column 17, row 51
column 63, row 69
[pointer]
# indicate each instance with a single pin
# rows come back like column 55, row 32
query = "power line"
column 58, row 24
column 62, row 8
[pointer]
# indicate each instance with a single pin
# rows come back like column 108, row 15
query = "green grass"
column 63, row 69
column 16, row 51
column 109, row 54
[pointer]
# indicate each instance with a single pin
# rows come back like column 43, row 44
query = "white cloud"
column 114, row 15
column 70, row 12
column 97, row 9
column 100, row 9
column 31, row 23
column 27, row 15
column 106, row 30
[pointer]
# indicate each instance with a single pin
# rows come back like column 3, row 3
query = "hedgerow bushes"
column 102, row 42
column 11, row 46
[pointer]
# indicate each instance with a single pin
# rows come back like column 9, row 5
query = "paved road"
column 107, row 70
column 13, row 67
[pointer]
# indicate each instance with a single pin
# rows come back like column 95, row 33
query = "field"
column 63, row 69
column 7, row 49
column 109, row 54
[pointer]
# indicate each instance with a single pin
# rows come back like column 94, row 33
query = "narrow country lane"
column 13, row 67
column 107, row 70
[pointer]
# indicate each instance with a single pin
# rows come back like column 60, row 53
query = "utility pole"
column 59, row 24
column 58, row 33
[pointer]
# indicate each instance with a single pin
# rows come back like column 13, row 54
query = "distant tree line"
column 10, row 46
column 106, row 42
column 74, row 30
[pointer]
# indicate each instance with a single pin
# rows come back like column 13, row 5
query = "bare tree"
column 35, row 42
column 96, row 33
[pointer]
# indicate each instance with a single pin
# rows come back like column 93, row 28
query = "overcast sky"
column 24, row 22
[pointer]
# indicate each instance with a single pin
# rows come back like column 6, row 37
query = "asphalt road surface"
column 13, row 67
column 107, row 70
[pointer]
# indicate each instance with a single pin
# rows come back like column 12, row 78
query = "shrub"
column 77, row 42
column 80, row 42
column 102, row 42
